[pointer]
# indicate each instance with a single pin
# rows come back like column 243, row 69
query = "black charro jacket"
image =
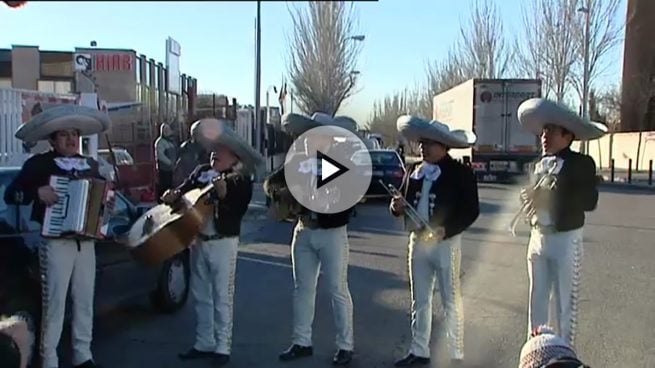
column 232, row 208
column 455, row 193
column 576, row 191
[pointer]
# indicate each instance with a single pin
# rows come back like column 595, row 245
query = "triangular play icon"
column 330, row 169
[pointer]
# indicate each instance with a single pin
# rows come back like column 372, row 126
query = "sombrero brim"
column 296, row 124
column 535, row 113
column 85, row 119
column 252, row 160
column 414, row 128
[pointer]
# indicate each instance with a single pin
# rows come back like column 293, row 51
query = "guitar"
column 167, row 230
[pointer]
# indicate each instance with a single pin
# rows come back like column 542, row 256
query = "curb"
column 640, row 185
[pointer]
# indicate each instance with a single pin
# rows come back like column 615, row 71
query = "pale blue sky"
column 217, row 39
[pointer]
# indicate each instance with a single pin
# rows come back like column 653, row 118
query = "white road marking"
column 271, row 263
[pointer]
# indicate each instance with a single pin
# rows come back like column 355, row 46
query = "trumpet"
column 548, row 181
column 422, row 224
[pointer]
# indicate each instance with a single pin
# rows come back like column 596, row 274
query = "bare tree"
column 323, row 55
column 482, row 42
column 609, row 107
column 441, row 76
column 386, row 112
column 604, row 36
column 550, row 45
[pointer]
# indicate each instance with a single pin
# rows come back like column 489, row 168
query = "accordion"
column 80, row 210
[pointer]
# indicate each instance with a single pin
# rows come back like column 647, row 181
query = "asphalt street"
column 616, row 325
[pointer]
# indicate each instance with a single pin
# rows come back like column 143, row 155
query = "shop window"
column 56, row 64
column 63, row 87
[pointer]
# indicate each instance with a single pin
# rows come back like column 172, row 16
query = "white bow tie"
column 72, row 163
column 428, row 171
column 309, row 166
column 549, row 164
column 207, row 176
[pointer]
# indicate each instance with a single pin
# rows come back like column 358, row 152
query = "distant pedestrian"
column 165, row 157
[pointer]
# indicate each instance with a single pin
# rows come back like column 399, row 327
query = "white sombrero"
column 214, row 132
column 534, row 113
column 87, row 120
column 296, row 124
column 414, row 128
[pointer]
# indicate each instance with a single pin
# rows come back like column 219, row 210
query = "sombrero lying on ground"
column 534, row 113
column 296, row 124
column 414, row 128
column 214, row 132
column 87, row 120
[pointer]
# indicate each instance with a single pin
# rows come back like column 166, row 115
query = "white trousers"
column 326, row 249
column 64, row 262
column 213, row 266
column 554, row 271
column 442, row 260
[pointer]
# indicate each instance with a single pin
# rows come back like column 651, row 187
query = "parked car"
column 119, row 278
column 387, row 166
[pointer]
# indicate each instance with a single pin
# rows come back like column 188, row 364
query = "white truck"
column 488, row 107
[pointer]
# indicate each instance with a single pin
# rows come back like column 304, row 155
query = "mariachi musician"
column 66, row 260
column 320, row 240
column 214, row 257
column 444, row 193
column 564, row 187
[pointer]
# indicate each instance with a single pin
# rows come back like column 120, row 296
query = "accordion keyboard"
column 68, row 214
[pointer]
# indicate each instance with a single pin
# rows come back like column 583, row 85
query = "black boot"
column 88, row 364
column 193, row 354
column 412, row 360
column 342, row 357
column 220, row 360
column 295, row 352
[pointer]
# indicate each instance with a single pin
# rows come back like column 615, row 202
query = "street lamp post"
column 585, row 72
column 268, row 121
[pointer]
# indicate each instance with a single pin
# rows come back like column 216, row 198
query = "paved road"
column 617, row 320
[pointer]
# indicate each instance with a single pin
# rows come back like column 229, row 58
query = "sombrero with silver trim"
column 87, row 120
column 296, row 124
column 535, row 113
column 216, row 132
column 414, row 128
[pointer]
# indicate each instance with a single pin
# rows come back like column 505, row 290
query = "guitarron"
column 165, row 231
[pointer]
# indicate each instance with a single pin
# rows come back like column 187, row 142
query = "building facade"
column 638, row 87
column 119, row 76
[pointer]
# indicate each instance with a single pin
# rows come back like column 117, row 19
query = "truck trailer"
column 488, row 107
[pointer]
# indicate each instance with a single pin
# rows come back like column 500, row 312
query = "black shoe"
column 295, row 352
column 342, row 357
column 412, row 360
column 220, row 360
column 193, row 354
column 88, row 364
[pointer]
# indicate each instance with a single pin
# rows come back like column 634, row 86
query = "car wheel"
column 172, row 289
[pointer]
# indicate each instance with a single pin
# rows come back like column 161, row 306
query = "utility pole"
column 585, row 73
column 258, row 73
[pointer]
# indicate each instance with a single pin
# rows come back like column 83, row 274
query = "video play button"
column 328, row 169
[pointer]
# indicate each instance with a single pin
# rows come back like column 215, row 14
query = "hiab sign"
column 104, row 62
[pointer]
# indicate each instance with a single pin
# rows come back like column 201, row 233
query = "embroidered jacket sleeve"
column 468, row 203
column 191, row 182
column 586, row 184
column 23, row 189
